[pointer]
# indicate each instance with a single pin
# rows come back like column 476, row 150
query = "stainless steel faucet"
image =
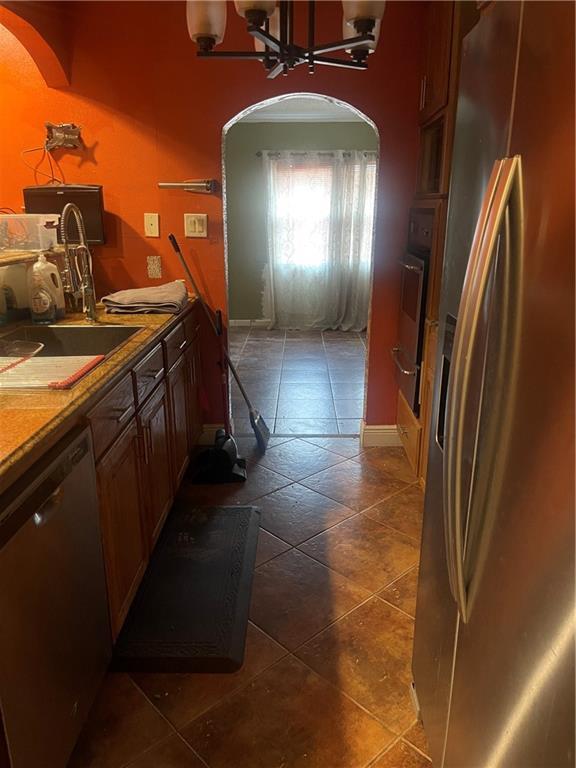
column 77, row 278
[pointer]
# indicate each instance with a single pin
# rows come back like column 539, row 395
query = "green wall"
column 246, row 195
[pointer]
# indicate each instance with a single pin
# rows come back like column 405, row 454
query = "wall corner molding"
column 379, row 435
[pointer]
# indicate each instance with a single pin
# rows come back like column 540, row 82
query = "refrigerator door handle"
column 476, row 283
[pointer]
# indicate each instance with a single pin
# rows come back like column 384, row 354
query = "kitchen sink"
column 65, row 340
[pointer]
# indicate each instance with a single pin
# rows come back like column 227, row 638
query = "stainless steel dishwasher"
column 54, row 638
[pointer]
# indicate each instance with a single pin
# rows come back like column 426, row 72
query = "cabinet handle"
column 148, row 439
column 181, row 346
column 154, row 376
column 405, row 371
column 50, row 505
column 410, row 267
column 124, row 415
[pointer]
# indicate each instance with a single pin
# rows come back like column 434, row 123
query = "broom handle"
column 204, row 306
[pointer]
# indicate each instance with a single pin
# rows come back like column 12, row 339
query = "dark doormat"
column 191, row 611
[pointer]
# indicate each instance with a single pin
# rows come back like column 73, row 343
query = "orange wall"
column 150, row 111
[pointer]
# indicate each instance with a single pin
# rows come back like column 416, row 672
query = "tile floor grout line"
column 395, row 493
column 333, row 525
column 240, row 688
column 395, row 607
column 344, row 437
column 391, row 528
column 157, row 743
column 351, row 698
column 386, row 749
column 400, row 738
column 332, row 623
column 177, row 729
column 413, row 746
column 166, row 720
column 374, row 593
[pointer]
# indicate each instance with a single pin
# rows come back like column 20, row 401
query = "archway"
column 318, row 126
column 43, row 36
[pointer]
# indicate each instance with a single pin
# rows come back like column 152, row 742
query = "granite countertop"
column 31, row 421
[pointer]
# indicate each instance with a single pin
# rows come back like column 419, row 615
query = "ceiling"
column 302, row 109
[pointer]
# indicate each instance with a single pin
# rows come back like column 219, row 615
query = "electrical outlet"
column 152, row 225
column 154, row 264
column 196, row 225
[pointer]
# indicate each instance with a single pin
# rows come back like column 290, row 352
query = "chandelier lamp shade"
column 271, row 25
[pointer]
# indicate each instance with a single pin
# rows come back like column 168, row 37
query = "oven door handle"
column 410, row 267
column 405, row 371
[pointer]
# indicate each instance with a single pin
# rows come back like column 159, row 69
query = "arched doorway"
column 300, row 175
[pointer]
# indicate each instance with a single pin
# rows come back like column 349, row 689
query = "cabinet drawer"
column 174, row 345
column 112, row 414
column 148, row 373
column 410, row 431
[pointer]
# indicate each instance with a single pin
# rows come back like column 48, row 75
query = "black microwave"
column 51, row 198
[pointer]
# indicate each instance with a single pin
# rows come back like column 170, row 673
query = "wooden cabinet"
column 435, row 80
column 147, row 373
column 111, row 415
column 193, row 376
column 144, row 430
column 409, row 430
column 122, row 524
column 427, row 392
column 153, row 424
column 178, row 389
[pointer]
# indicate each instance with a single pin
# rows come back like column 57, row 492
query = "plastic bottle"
column 45, row 291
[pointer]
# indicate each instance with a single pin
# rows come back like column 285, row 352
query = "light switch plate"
column 196, row 225
column 152, row 225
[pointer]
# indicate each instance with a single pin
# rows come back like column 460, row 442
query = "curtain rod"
column 303, row 153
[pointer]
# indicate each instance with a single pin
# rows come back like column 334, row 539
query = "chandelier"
column 271, row 24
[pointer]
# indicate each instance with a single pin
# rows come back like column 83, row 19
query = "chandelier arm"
column 233, row 55
column 311, row 34
column 340, row 45
column 340, row 63
column 266, row 38
column 278, row 69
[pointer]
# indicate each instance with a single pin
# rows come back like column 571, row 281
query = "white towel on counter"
column 170, row 298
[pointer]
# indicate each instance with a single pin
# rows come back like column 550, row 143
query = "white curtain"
column 320, row 222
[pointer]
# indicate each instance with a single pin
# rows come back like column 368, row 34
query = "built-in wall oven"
column 407, row 353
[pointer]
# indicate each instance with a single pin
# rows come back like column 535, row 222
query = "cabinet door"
column 409, row 430
column 154, row 427
column 121, row 511
column 436, row 75
column 194, row 412
column 178, row 388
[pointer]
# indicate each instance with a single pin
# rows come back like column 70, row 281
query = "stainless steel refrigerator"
column 493, row 657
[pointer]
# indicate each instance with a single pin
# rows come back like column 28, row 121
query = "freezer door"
column 512, row 700
column 481, row 136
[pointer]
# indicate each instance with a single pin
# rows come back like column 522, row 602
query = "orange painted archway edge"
column 44, row 56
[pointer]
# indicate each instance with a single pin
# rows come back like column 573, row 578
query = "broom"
column 258, row 424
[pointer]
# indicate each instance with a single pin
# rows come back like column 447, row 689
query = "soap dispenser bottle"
column 43, row 291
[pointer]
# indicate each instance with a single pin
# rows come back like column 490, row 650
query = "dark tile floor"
column 302, row 382
column 325, row 682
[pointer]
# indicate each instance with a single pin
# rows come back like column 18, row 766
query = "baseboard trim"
column 262, row 323
column 209, row 433
column 376, row 435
